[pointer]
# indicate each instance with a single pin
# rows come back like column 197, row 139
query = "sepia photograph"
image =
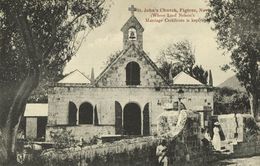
column 129, row 82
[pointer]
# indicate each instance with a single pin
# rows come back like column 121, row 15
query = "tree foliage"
column 37, row 39
column 181, row 54
column 200, row 74
column 112, row 57
column 237, row 25
column 41, row 33
column 179, row 57
column 63, row 139
column 228, row 100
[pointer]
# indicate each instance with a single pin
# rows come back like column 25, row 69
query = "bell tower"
column 132, row 31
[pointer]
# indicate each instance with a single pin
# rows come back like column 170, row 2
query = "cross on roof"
column 132, row 9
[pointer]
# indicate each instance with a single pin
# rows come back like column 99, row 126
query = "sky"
column 107, row 39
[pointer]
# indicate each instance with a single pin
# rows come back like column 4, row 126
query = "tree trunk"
column 254, row 105
column 11, row 115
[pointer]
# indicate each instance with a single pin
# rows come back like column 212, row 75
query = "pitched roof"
column 132, row 22
column 139, row 52
column 184, row 79
column 75, row 77
column 36, row 110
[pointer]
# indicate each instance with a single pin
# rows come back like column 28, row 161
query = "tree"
column 40, row 94
column 228, row 100
column 36, row 38
column 112, row 57
column 237, row 25
column 181, row 54
column 165, row 67
column 179, row 57
column 200, row 74
column 210, row 81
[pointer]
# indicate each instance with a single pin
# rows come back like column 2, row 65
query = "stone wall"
column 104, row 101
column 132, row 22
column 82, row 131
column 245, row 149
column 232, row 124
column 115, row 76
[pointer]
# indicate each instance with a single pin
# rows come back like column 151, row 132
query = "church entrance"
column 132, row 119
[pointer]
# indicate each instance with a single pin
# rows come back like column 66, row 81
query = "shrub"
column 63, row 139
column 251, row 128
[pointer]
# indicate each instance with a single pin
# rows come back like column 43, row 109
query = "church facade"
column 126, row 98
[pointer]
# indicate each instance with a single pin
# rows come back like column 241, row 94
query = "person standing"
column 161, row 153
column 216, row 137
column 207, row 135
column 204, row 140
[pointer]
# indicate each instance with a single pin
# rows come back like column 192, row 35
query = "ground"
column 250, row 161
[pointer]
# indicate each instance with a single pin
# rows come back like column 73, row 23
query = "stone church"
column 126, row 98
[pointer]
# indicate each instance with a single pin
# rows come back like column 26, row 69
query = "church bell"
column 132, row 35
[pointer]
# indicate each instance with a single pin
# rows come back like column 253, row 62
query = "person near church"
column 161, row 153
column 207, row 135
column 205, row 141
column 216, row 141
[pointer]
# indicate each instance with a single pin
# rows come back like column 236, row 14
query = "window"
column 72, row 118
column 86, row 113
column 41, row 127
column 132, row 73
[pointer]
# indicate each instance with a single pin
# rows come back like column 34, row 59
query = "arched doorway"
column 72, row 117
column 132, row 73
column 86, row 113
column 132, row 119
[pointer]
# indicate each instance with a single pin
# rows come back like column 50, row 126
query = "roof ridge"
column 70, row 73
column 83, row 74
column 67, row 74
column 179, row 74
column 132, row 17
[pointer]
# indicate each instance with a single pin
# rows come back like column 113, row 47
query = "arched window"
column 132, row 34
column 72, row 117
column 86, row 113
column 132, row 73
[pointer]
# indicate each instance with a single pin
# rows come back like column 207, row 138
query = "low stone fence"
column 246, row 149
column 81, row 131
column 137, row 151
column 182, row 140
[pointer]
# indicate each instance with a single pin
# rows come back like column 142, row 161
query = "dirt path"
column 250, row 161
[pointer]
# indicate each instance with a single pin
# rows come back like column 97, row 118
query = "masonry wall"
column 245, row 149
column 85, row 131
column 31, row 127
column 132, row 23
column 116, row 74
column 104, row 101
column 232, row 124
